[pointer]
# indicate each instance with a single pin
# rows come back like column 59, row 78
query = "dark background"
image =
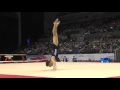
column 31, row 27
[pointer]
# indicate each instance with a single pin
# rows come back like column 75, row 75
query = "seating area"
column 100, row 36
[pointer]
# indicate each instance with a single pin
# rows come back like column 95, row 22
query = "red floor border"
column 114, row 77
column 18, row 76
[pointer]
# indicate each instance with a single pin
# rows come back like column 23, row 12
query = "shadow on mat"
column 53, row 70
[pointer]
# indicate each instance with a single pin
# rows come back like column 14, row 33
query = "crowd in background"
column 101, row 36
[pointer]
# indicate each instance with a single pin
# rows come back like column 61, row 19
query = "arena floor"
column 65, row 70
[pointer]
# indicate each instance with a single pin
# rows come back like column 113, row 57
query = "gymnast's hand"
column 56, row 22
column 54, row 68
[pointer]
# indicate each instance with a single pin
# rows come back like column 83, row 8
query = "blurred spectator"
column 65, row 59
column 74, row 59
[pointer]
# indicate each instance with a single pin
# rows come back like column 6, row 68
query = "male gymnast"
column 54, row 55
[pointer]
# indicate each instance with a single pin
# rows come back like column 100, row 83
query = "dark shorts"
column 54, row 51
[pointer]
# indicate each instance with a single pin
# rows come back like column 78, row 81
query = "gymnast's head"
column 49, row 64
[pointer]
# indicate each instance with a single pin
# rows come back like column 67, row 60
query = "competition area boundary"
column 26, row 61
column 20, row 58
